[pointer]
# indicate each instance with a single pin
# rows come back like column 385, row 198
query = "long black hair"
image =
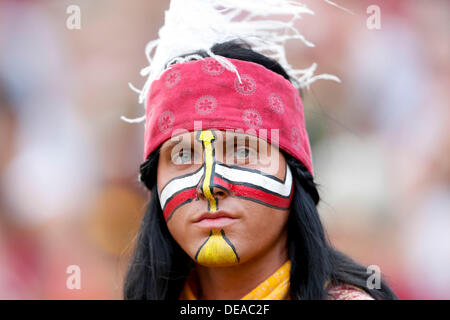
column 159, row 267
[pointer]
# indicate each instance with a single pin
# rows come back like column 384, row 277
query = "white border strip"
column 257, row 179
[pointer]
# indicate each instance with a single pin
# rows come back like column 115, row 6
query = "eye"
column 242, row 153
column 184, row 156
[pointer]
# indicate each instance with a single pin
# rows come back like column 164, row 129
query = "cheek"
column 180, row 227
column 266, row 222
column 262, row 228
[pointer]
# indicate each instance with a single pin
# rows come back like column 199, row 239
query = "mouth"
column 215, row 219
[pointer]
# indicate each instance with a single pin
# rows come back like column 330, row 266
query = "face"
column 225, row 195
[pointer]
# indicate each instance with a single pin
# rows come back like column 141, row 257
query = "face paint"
column 217, row 250
column 255, row 185
column 179, row 191
column 207, row 137
column 239, row 182
column 236, row 181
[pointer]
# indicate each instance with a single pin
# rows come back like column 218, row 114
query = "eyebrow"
column 168, row 145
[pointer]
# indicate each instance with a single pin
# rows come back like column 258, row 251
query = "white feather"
column 192, row 25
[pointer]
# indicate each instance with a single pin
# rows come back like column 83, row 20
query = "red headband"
column 203, row 90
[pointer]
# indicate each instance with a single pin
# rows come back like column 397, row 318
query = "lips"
column 214, row 219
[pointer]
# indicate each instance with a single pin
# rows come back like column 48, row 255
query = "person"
column 233, row 209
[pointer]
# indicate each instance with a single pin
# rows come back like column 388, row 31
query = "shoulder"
column 348, row 292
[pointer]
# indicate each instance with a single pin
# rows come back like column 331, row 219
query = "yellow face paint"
column 217, row 250
column 207, row 136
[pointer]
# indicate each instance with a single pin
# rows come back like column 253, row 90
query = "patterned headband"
column 255, row 101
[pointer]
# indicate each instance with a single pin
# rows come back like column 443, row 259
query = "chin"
column 217, row 263
column 217, row 250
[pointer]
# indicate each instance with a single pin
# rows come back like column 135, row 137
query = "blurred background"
column 69, row 190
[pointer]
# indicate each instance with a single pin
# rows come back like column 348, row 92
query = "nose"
column 215, row 190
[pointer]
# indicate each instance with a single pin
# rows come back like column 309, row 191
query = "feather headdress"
column 192, row 25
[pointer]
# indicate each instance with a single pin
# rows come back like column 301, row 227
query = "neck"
column 233, row 283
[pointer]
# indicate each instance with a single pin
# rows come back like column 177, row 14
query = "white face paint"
column 237, row 175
